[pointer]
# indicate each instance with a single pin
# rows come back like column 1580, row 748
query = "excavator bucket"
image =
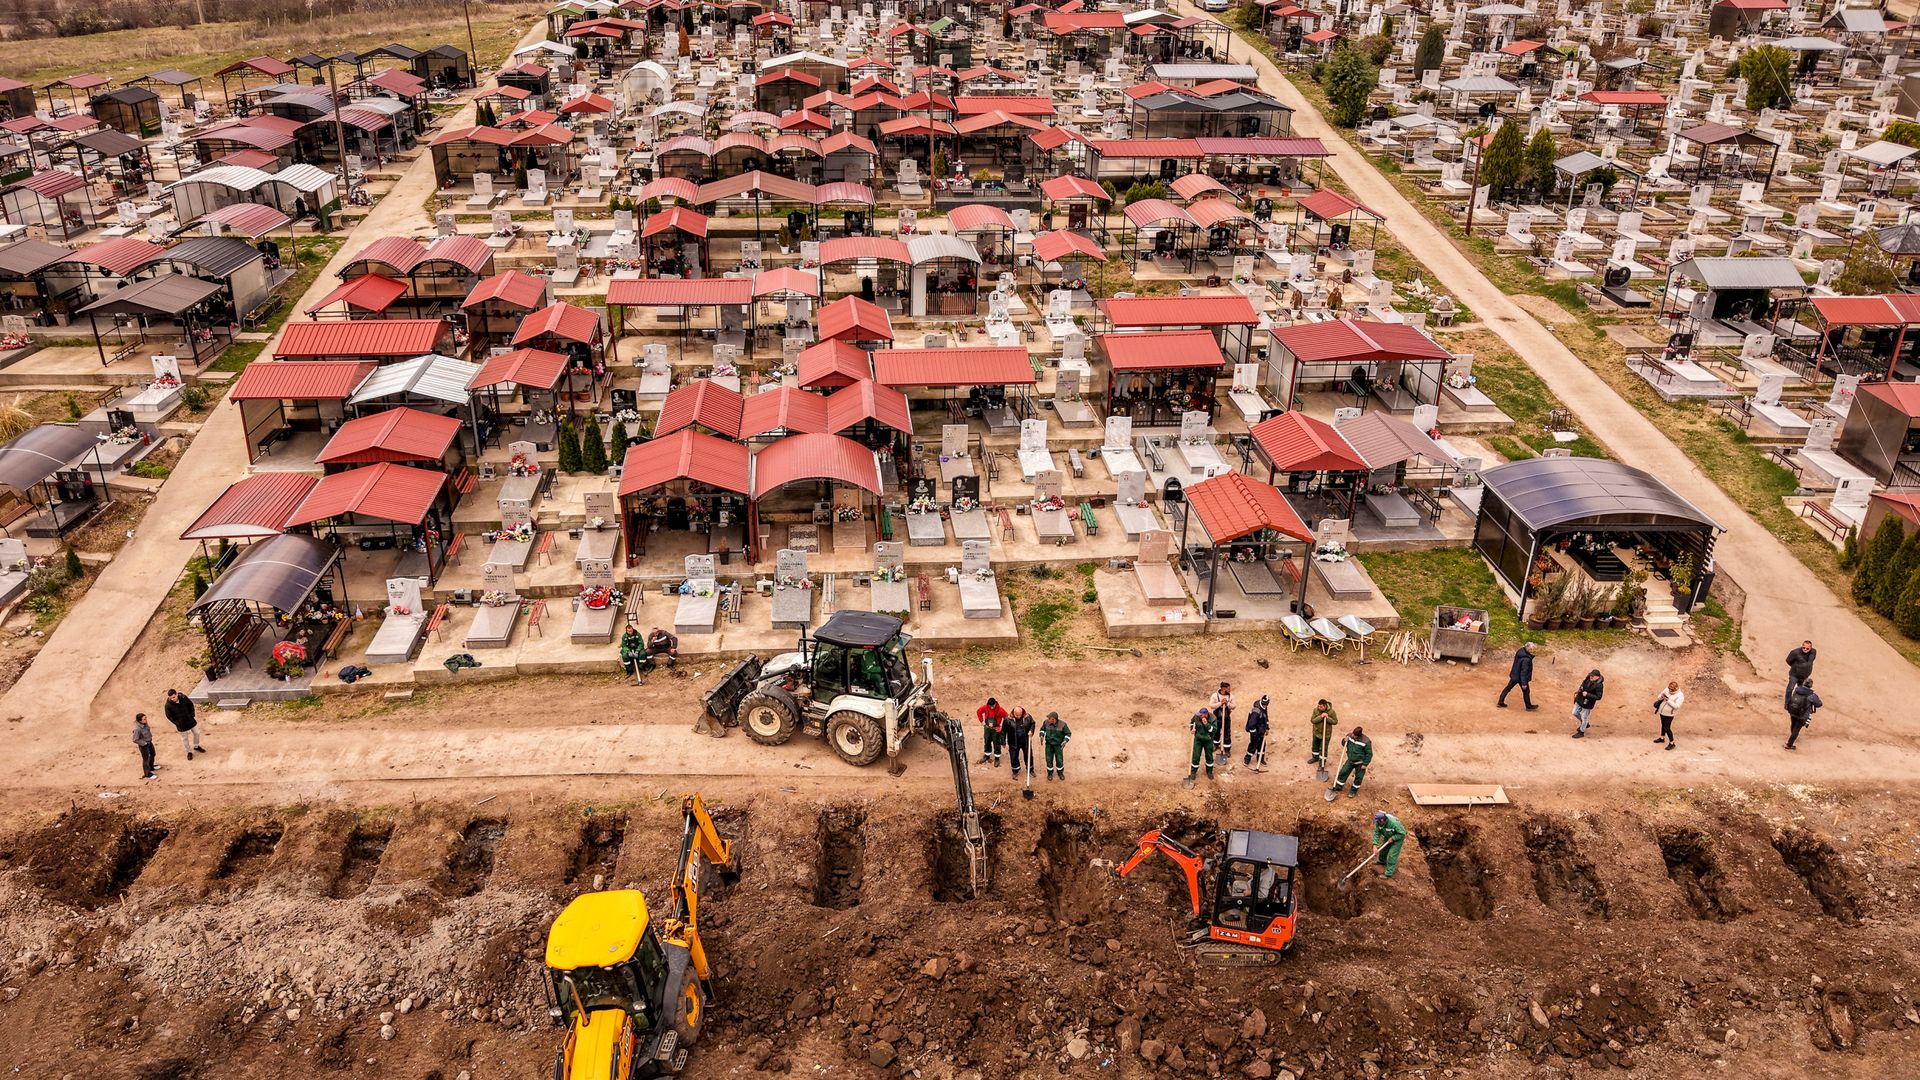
column 951, row 733
column 723, row 701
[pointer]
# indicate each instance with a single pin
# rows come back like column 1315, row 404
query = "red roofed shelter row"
column 1159, row 375
column 1393, row 364
column 1235, row 524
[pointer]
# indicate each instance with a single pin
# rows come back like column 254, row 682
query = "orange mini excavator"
column 1254, row 905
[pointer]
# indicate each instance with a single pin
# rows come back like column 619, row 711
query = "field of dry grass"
column 123, row 54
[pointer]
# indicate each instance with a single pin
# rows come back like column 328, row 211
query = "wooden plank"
column 1458, row 794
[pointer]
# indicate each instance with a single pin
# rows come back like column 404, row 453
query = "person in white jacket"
column 1664, row 707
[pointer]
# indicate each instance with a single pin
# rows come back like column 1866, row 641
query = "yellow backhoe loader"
column 631, row 992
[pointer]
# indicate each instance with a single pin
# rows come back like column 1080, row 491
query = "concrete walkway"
column 62, row 687
column 1861, row 677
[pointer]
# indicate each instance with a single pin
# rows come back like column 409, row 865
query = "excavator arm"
column 1183, row 856
column 952, row 734
column 688, row 988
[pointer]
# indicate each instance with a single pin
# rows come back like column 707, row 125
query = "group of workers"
column 1009, row 732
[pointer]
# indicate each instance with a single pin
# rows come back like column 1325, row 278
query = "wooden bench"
column 925, row 588
column 1826, row 519
column 543, row 547
column 1006, row 523
column 535, row 613
column 464, row 481
column 1074, row 463
column 123, row 352
column 262, row 311
column 454, row 545
column 1086, row 517
column 437, row 622
column 332, row 645
column 1293, row 573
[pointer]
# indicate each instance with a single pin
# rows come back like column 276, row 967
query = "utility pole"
column 473, row 51
column 340, row 139
column 1473, row 185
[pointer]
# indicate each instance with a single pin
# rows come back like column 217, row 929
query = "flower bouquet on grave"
column 163, row 382
column 125, row 436
column 290, row 652
column 965, row 503
column 522, row 465
column 626, row 416
column 1331, row 552
column 1051, row 502
column 10, row 342
column 722, row 371
column 925, row 504
column 596, row 523
column 521, row 533
column 846, row 513
column 597, row 597
column 493, row 598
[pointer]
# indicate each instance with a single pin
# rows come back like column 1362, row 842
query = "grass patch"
column 1046, row 621
column 1718, row 627
column 237, row 356
column 1509, row 447
column 1416, row 582
column 1520, row 393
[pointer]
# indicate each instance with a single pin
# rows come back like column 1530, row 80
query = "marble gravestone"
column 891, row 595
column 1034, row 455
column 970, row 523
column 493, row 623
column 402, row 628
column 979, row 588
column 925, row 527
column 699, row 606
column 792, row 590
column 1116, row 448
column 595, row 626
column 1053, row 526
column 1197, row 446
column 1130, row 504
column 1153, row 570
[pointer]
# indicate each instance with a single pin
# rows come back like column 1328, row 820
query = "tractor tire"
column 858, row 739
column 769, row 717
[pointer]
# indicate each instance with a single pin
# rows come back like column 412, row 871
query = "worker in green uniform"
column 1053, row 736
column 1388, row 830
column 1206, row 733
column 1322, row 722
column 1359, row 750
column 633, row 649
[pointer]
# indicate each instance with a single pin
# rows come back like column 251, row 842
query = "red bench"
column 453, row 547
column 543, row 547
column 1826, row 519
column 535, row 613
column 1006, row 524
column 926, row 592
column 437, row 622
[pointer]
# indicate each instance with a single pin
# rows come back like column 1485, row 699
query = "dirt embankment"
column 405, row 942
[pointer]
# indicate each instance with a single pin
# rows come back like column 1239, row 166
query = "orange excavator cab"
column 1254, row 906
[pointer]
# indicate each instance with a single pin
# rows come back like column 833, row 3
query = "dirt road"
column 1868, row 680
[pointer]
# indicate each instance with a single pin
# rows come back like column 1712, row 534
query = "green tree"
column 1350, row 79
column 1768, row 70
column 617, row 439
column 1431, row 52
column 1893, row 580
column 593, row 453
column 1881, row 550
column 569, row 448
column 1904, row 132
column 1869, row 272
column 1376, row 48
column 1503, row 164
column 1850, row 550
column 1906, row 612
column 199, row 584
column 75, row 571
column 1541, row 154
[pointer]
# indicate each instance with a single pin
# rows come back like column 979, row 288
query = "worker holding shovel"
column 1388, row 836
column 1322, row 722
column 1206, row 732
column 1359, row 751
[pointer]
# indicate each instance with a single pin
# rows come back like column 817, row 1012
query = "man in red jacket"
column 992, row 716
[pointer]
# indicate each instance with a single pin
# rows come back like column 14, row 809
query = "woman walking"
column 1664, row 707
column 1592, row 688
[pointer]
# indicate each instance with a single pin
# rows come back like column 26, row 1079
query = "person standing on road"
column 143, row 741
column 1388, row 831
column 1800, row 666
column 1520, row 675
column 1322, row 721
column 179, row 711
column 1222, row 705
column 1017, row 732
column 991, row 716
column 1800, row 708
column 1053, row 738
column 1359, row 754
column 1206, row 731
column 1592, row 689
column 1664, row 707
column 1256, row 757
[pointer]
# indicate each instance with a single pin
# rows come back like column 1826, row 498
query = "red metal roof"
column 1859, row 311
column 1904, row 503
column 1521, row 48
column 769, row 186
column 396, row 81
column 249, row 219
column 814, row 457
column 121, row 255
column 1232, row 505
column 1345, row 339
column 672, row 292
column 864, row 247
column 368, row 292
column 1328, row 205
column 1150, row 211
column 978, row 216
column 1902, row 396
column 1147, row 89
column 1147, row 148
column 510, row 287
column 844, row 140
column 687, row 455
column 247, row 159
column 786, row 408
column 400, row 252
column 1162, row 350
column 562, row 320
column 977, row 365
column 52, row 183
column 300, row 380
column 787, row 279
column 535, row 368
column 673, row 187
column 975, row 104
column 389, row 492
column 1194, row 185
column 470, row 253
column 703, row 402
column 680, row 218
column 253, row 507
column 1074, row 187
column 354, row 338
column 1624, row 97
column 1296, row 442
column 833, row 363
column 394, row 435
column 853, row 319
column 1060, row 243
column 867, row 400
column 1211, row 212
column 588, row 103
column 1230, row 310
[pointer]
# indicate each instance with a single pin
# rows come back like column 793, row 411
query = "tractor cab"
column 1254, row 894
column 860, row 653
column 606, row 975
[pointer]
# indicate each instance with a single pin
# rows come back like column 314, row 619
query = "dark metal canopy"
column 1548, row 492
column 214, row 256
column 1901, row 239
column 169, row 295
column 858, row 629
column 28, row 257
column 279, row 572
column 31, row 458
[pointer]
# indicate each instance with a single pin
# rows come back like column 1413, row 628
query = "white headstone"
column 975, row 558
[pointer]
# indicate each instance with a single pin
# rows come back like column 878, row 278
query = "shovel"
column 1341, row 885
column 1320, row 772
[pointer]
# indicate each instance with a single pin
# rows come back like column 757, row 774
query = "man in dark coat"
column 179, row 712
column 1800, row 666
column 1018, row 731
column 1520, row 675
column 1256, row 756
column 1800, row 708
